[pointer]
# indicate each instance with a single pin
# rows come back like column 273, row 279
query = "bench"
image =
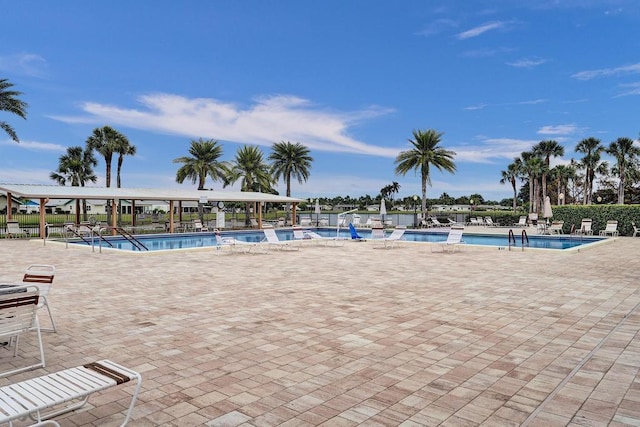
column 34, row 396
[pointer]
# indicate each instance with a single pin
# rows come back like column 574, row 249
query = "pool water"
column 199, row 240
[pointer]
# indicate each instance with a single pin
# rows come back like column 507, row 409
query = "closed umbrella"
column 548, row 212
column 383, row 209
column 317, row 212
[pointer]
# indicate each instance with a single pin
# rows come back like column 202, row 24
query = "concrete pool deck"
column 348, row 336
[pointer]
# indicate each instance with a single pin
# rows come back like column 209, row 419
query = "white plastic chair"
column 43, row 275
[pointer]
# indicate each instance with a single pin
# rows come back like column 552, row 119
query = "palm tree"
column 532, row 168
column 562, row 174
column 76, row 167
column 124, row 148
column 623, row 150
column 202, row 163
column 511, row 176
column 251, row 170
column 592, row 149
column 9, row 102
column 105, row 141
column 424, row 154
column 546, row 149
column 290, row 160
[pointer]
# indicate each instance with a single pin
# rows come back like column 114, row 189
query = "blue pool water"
column 199, row 240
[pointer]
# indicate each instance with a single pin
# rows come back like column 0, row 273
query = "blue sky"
column 349, row 79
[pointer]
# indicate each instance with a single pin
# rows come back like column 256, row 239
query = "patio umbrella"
column 383, row 209
column 547, row 212
column 317, row 212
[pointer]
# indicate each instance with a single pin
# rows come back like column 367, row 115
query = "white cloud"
column 438, row 26
column 488, row 150
column 34, row 145
column 24, row 63
column 607, row 72
column 528, row 102
column 475, row 32
column 558, row 129
column 527, row 63
column 268, row 120
column 630, row 89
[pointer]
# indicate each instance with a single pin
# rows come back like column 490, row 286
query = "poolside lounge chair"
column 377, row 233
column 533, row 218
column 237, row 246
column 585, row 227
column 33, row 397
column 454, row 239
column 556, row 227
column 356, row 220
column 18, row 315
column 393, row 239
column 636, row 230
column 354, row 233
column 272, row 239
column 317, row 238
column 489, row 222
column 475, row 221
column 14, row 231
column 522, row 222
column 435, row 222
column 198, row 226
column 305, row 222
column 43, row 275
column 611, row 229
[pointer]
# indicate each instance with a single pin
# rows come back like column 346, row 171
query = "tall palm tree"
column 105, row 141
column 252, row 171
column 123, row 148
column 202, row 163
column 290, row 160
column 592, row 149
column 9, row 102
column 546, row 149
column 532, row 168
column 425, row 153
column 562, row 174
column 511, row 176
column 623, row 150
column 76, row 167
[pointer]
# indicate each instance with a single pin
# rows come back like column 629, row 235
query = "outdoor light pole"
column 415, row 211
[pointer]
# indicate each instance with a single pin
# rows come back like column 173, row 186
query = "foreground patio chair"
column 237, row 246
column 454, row 239
column 611, row 229
column 18, row 316
column 393, row 239
column 272, row 239
column 43, row 275
column 585, row 227
column 35, row 396
column 14, row 231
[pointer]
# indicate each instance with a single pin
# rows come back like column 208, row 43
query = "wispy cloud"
column 34, row 145
column 486, row 52
column 607, row 72
column 490, row 150
column 28, row 64
column 527, row 63
column 567, row 129
column 481, row 29
column 629, row 89
column 527, row 102
column 438, row 26
column 269, row 119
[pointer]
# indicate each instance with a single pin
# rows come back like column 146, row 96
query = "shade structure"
column 317, row 206
column 547, row 212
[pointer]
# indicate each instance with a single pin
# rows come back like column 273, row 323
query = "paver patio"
column 350, row 335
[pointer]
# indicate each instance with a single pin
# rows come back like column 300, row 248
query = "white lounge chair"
column 237, row 246
column 454, row 239
column 18, row 315
column 522, row 222
column 489, row 222
column 317, row 238
column 14, row 231
column 272, row 239
column 585, row 227
column 305, row 222
column 356, row 220
column 199, row 226
column 556, row 227
column 43, row 275
column 611, row 229
column 41, row 397
column 377, row 233
column 636, row 229
column 393, row 239
column 435, row 222
column 475, row 221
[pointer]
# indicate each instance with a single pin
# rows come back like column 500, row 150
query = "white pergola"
column 47, row 192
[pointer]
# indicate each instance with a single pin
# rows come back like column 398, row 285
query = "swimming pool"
column 160, row 242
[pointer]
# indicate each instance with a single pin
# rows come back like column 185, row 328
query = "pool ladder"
column 512, row 238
